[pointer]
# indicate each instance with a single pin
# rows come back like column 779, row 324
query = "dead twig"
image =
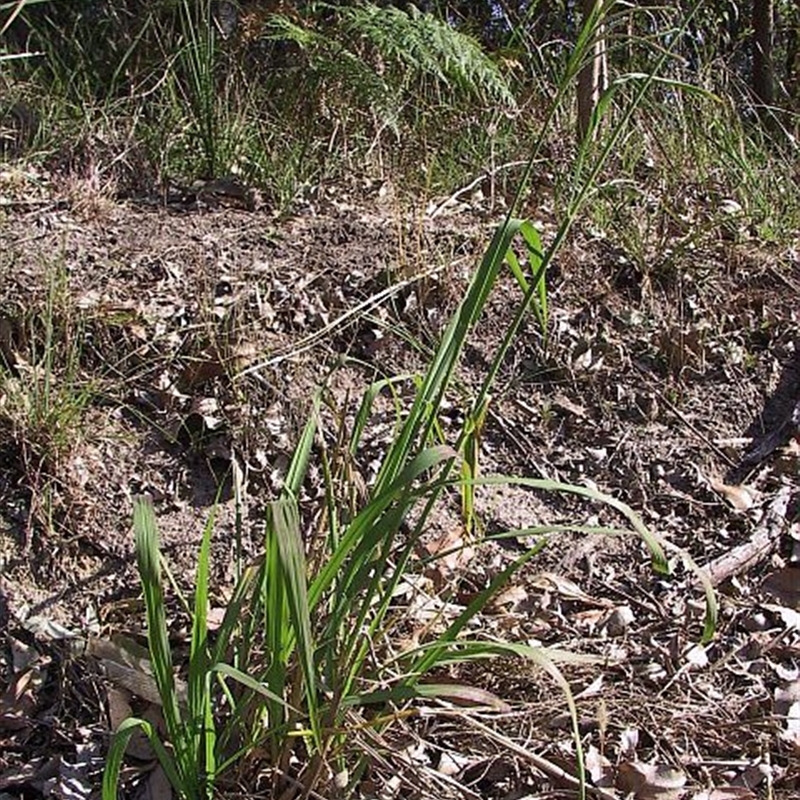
column 490, row 173
column 541, row 763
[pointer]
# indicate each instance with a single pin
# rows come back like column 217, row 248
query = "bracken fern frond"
column 426, row 46
column 378, row 54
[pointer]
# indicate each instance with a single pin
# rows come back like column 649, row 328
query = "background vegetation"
column 285, row 95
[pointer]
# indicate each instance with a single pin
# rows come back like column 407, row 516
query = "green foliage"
column 693, row 174
column 423, row 46
column 294, row 96
column 197, row 61
column 326, row 90
column 384, row 60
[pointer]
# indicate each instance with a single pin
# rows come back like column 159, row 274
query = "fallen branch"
column 761, row 544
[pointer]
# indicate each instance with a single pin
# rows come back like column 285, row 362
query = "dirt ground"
column 202, row 332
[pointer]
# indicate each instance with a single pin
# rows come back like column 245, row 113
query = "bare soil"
column 201, row 335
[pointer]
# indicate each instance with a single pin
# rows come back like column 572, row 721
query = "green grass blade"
column 148, row 559
column 285, row 522
column 367, row 521
column 116, row 753
column 233, row 621
column 295, row 474
column 535, row 254
column 654, row 543
column 199, row 679
column 365, row 409
column 712, row 610
column 458, row 693
column 421, row 417
column 254, row 685
column 277, row 631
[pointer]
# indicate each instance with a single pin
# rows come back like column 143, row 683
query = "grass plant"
column 307, row 659
column 43, row 400
column 300, row 651
column 197, row 63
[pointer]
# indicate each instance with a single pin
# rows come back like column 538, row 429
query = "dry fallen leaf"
column 787, row 707
column 588, row 619
column 452, row 763
column 18, row 702
column 508, row 599
column 449, row 555
column 569, row 590
column 696, row 656
column 598, row 767
column 628, row 742
column 741, row 497
column 651, row 781
column 788, row 616
column 618, row 620
column 564, row 404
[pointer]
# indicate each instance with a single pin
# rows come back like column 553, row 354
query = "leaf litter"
column 203, row 335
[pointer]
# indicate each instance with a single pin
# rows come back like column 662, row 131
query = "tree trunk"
column 762, row 78
column 593, row 77
column 793, row 62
